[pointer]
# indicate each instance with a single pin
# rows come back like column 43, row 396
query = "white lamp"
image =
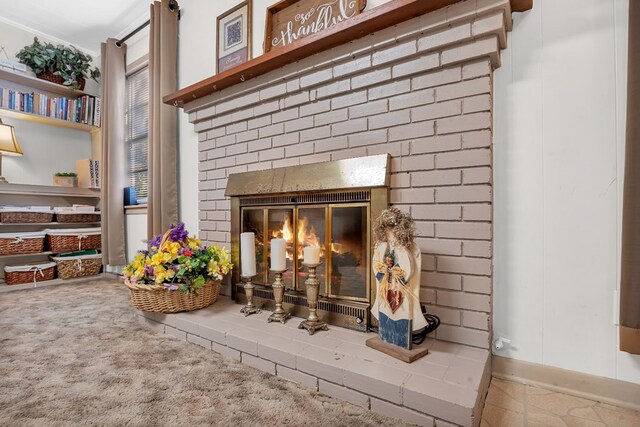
column 8, row 144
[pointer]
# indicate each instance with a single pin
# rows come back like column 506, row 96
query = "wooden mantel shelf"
column 376, row 19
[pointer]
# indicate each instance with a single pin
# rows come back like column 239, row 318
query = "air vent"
column 308, row 198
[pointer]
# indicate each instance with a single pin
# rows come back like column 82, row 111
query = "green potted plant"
column 60, row 64
column 65, row 179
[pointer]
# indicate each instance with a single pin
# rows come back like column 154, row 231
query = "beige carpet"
column 75, row 355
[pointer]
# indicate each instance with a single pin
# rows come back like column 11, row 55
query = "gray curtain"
column 114, row 154
column 630, row 274
column 162, row 206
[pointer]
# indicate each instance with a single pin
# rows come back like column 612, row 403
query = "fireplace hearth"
column 329, row 205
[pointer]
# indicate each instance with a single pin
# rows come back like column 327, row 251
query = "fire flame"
column 306, row 235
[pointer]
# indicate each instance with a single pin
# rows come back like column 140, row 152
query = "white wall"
column 559, row 114
column 47, row 149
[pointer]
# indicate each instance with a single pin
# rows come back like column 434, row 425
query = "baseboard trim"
column 607, row 390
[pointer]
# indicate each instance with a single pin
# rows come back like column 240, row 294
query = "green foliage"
column 73, row 174
column 67, row 62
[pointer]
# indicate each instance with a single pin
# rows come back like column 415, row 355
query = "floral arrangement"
column 178, row 262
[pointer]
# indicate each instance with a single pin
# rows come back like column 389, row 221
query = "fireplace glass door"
column 340, row 230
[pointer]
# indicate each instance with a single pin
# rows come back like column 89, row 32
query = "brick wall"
column 420, row 91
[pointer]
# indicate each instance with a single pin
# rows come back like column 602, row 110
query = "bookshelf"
column 27, row 83
column 42, row 195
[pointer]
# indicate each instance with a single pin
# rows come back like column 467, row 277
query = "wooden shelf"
column 37, row 254
column 44, row 85
column 48, row 224
column 8, row 288
column 20, row 115
column 376, row 19
column 47, row 190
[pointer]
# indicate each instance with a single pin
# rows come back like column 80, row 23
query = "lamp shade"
column 8, row 143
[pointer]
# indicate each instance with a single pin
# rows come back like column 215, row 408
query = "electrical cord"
column 433, row 322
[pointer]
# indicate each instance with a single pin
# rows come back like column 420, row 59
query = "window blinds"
column 137, row 122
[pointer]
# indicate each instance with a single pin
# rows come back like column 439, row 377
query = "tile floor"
column 512, row 404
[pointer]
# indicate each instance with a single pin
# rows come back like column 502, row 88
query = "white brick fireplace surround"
column 420, row 91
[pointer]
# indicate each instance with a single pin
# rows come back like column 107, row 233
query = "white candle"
column 248, row 254
column 312, row 255
column 278, row 254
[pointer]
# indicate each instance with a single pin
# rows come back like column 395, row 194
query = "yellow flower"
column 194, row 243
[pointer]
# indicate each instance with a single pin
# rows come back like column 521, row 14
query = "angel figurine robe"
column 397, row 304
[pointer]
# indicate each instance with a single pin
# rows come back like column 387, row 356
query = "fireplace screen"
column 340, row 230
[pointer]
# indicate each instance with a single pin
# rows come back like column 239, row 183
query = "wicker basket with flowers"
column 176, row 273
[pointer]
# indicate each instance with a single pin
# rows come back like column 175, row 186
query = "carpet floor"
column 75, row 355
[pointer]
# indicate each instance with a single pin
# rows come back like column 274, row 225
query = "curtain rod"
column 173, row 6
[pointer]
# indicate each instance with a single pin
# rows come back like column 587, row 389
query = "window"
column 137, row 123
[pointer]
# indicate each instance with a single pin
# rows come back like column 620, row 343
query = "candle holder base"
column 248, row 290
column 312, row 326
column 279, row 317
column 250, row 310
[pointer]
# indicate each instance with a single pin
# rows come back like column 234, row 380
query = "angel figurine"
column 396, row 265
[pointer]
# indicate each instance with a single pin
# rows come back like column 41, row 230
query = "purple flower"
column 178, row 233
column 171, row 287
column 148, row 270
column 155, row 241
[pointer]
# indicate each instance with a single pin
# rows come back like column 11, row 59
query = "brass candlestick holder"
column 278, row 295
column 248, row 290
column 313, row 323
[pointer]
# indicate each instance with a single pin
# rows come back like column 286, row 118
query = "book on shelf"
column 84, row 109
column 88, row 173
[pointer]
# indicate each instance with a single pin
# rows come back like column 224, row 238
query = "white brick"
column 436, row 144
column 419, row 65
column 393, row 53
column 477, row 284
column 435, row 178
column 438, row 78
column 476, row 139
column 272, row 154
column 436, row 111
column 374, row 107
column 465, row 336
column 445, row 37
column 370, row 78
column 295, row 125
column 315, row 108
column 476, row 49
column 475, row 320
column 352, row 67
column 415, row 98
column 464, row 89
column 343, row 393
column 199, row 341
column 464, row 230
column 481, row 175
column 368, row 138
column 334, row 88
column 258, row 363
column 267, row 131
column 315, row 133
column 388, row 90
column 411, row 131
column 297, row 377
column 389, row 119
column 464, row 158
column 394, row 411
column 476, row 69
column 331, row 117
column 226, row 351
column 349, row 99
column 464, row 265
column 285, row 116
column 352, row 126
column 331, row 144
column 181, row 335
column 316, row 78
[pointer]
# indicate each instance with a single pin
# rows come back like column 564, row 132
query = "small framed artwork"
column 233, row 37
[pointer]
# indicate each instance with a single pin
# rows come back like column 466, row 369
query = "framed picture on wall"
column 233, row 37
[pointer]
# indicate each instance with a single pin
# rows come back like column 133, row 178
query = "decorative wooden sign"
column 291, row 20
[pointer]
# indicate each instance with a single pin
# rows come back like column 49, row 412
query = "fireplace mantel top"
column 376, row 19
column 361, row 172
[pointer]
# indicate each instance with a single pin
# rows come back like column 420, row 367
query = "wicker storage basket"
column 10, row 215
column 31, row 273
column 74, row 239
column 67, row 217
column 158, row 299
column 21, row 243
column 70, row 267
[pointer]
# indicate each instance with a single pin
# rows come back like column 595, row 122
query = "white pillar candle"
column 312, row 255
column 278, row 254
column 248, row 254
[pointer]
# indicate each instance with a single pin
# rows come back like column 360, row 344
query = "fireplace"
column 329, row 205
